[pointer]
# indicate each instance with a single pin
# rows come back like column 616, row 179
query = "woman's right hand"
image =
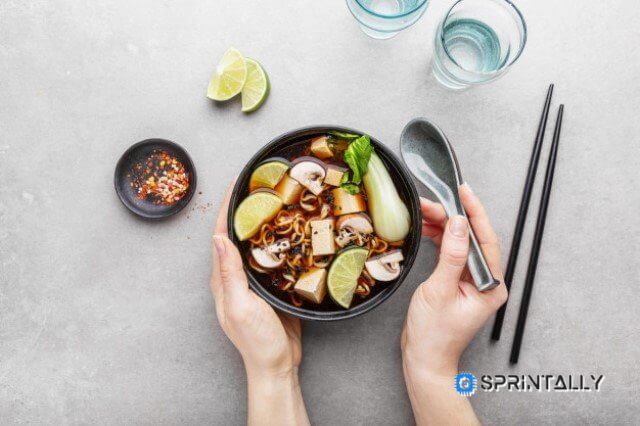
column 447, row 311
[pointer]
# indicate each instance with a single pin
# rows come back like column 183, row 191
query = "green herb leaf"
column 357, row 156
column 348, row 136
column 351, row 188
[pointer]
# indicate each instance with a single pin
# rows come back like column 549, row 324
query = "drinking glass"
column 383, row 19
column 477, row 42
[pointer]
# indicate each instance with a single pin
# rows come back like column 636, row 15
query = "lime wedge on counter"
column 267, row 175
column 255, row 210
column 229, row 77
column 256, row 87
column 345, row 269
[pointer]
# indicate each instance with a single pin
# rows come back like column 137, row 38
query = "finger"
column 491, row 299
column 482, row 228
column 221, row 229
column 477, row 216
column 467, row 288
column 433, row 213
column 434, row 219
column 433, row 232
column 233, row 279
column 221, row 223
column 216, row 280
column 453, row 254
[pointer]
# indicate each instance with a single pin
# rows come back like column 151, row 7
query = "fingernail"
column 219, row 243
column 458, row 226
column 467, row 186
column 426, row 201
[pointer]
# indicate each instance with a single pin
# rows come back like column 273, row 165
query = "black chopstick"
column 522, row 213
column 537, row 241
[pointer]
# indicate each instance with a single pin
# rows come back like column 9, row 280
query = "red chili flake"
column 164, row 180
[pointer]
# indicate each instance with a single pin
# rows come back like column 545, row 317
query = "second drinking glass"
column 477, row 42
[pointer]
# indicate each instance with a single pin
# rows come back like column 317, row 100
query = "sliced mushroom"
column 280, row 246
column 345, row 236
column 309, row 172
column 351, row 226
column 357, row 221
column 267, row 259
column 385, row 267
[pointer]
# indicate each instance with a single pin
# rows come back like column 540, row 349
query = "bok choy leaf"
column 391, row 219
column 357, row 157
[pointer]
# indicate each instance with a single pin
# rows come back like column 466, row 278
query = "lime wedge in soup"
column 268, row 175
column 345, row 269
column 255, row 210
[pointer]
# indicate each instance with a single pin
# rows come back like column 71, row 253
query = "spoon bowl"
column 430, row 157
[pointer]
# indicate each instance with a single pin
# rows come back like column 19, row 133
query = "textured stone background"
column 108, row 319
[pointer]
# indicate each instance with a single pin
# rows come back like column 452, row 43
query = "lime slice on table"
column 345, row 269
column 229, row 77
column 256, row 88
column 267, row 175
column 255, row 210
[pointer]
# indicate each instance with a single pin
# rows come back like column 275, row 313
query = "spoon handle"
column 478, row 266
column 450, row 200
column 476, row 262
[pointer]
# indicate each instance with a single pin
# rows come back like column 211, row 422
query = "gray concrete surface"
column 107, row 319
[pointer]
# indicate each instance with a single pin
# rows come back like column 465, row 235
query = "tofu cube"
column 312, row 285
column 322, row 242
column 345, row 203
column 289, row 190
column 334, row 175
column 320, row 148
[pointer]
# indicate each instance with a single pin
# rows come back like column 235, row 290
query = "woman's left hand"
column 268, row 342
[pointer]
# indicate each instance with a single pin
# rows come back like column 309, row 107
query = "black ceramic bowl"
column 290, row 145
column 138, row 153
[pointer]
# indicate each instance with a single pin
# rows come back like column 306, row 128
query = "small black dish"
column 138, row 154
column 290, row 143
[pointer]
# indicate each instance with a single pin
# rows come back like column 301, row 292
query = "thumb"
column 232, row 276
column 453, row 252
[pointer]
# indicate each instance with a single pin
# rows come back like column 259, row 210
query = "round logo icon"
column 466, row 384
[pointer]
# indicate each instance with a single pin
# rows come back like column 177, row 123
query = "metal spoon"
column 428, row 154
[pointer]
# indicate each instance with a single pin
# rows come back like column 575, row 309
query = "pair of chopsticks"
column 540, row 222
